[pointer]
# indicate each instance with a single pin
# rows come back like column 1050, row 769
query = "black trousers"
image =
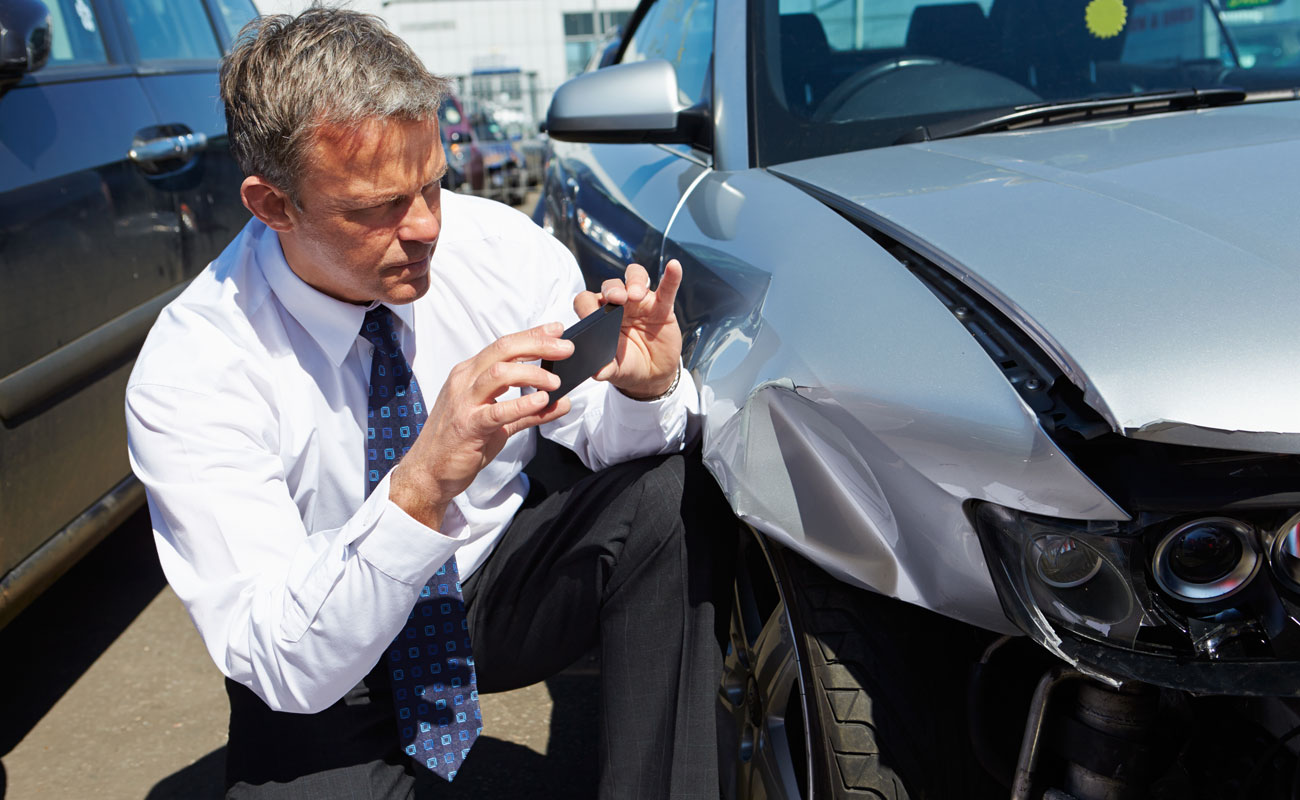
column 633, row 559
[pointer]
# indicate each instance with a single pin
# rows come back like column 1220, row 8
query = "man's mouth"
column 417, row 267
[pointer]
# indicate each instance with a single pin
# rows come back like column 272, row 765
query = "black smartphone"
column 595, row 340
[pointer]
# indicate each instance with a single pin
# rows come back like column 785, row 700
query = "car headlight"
column 603, row 237
column 1206, row 560
column 1284, row 554
column 1155, row 596
column 1075, row 573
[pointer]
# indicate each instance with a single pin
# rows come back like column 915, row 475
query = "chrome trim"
column 167, row 147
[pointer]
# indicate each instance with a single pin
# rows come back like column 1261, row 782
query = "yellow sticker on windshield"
column 1105, row 18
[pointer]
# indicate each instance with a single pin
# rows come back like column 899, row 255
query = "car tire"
column 884, row 716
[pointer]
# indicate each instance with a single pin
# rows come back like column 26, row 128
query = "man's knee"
column 662, row 486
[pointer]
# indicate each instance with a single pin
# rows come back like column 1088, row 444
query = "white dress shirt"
column 246, row 417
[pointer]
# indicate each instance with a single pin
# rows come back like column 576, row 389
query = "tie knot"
column 377, row 328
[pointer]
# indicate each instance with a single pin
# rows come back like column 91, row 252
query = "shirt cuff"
column 404, row 549
column 653, row 415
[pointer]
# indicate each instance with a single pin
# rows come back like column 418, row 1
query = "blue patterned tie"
column 430, row 663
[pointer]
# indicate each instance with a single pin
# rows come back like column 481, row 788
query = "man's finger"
column 586, row 303
column 541, row 342
column 493, row 417
column 637, row 281
column 614, row 291
column 501, row 376
column 606, row 372
column 669, row 282
column 547, row 414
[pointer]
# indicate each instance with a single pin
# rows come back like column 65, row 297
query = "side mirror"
column 626, row 103
column 24, row 39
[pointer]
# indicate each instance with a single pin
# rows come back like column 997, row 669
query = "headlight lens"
column 1064, row 562
column 1285, row 553
column 1206, row 560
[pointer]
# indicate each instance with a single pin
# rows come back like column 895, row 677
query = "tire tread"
column 874, row 666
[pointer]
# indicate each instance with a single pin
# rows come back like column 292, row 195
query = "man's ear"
column 268, row 203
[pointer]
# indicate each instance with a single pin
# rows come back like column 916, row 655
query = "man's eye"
column 386, row 205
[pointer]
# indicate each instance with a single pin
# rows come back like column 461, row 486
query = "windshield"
column 838, row 75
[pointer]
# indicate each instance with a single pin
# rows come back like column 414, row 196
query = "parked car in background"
column 464, row 160
column 116, row 188
column 503, row 166
column 528, row 139
column 990, row 308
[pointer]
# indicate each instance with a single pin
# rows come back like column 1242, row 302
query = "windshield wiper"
column 1074, row 111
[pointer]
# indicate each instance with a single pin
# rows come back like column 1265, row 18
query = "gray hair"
column 287, row 76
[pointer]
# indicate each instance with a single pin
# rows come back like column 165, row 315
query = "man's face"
column 370, row 212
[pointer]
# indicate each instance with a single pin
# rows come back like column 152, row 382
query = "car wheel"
column 833, row 692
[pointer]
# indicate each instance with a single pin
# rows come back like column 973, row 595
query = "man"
column 332, row 421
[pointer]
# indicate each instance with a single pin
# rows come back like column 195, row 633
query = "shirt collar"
column 333, row 323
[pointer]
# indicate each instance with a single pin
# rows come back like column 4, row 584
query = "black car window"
column 167, row 30
column 235, row 14
column 74, row 33
column 680, row 31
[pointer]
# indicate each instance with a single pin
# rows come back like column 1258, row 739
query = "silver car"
column 990, row 306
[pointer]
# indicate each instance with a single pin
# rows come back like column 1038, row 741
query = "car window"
column 168, row 30
column 680, row 31
column 235, row 14
column 74, row 33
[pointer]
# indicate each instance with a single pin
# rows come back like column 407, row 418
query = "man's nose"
column 421, row 222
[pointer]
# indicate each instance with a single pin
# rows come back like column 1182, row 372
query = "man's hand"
column 650, row 344
column 466, row 426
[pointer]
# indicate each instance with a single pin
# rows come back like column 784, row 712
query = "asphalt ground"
column 109, row 693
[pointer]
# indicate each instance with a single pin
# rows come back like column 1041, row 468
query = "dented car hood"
column 1156, row 259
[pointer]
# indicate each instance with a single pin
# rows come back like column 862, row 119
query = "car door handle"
column 166, row 148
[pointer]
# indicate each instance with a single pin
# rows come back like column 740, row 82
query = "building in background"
column 509, row 55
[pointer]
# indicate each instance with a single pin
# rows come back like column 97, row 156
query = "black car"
column 116, row 188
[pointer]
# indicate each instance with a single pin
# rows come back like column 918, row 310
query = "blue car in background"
column 503, row 166
column 116, row 188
